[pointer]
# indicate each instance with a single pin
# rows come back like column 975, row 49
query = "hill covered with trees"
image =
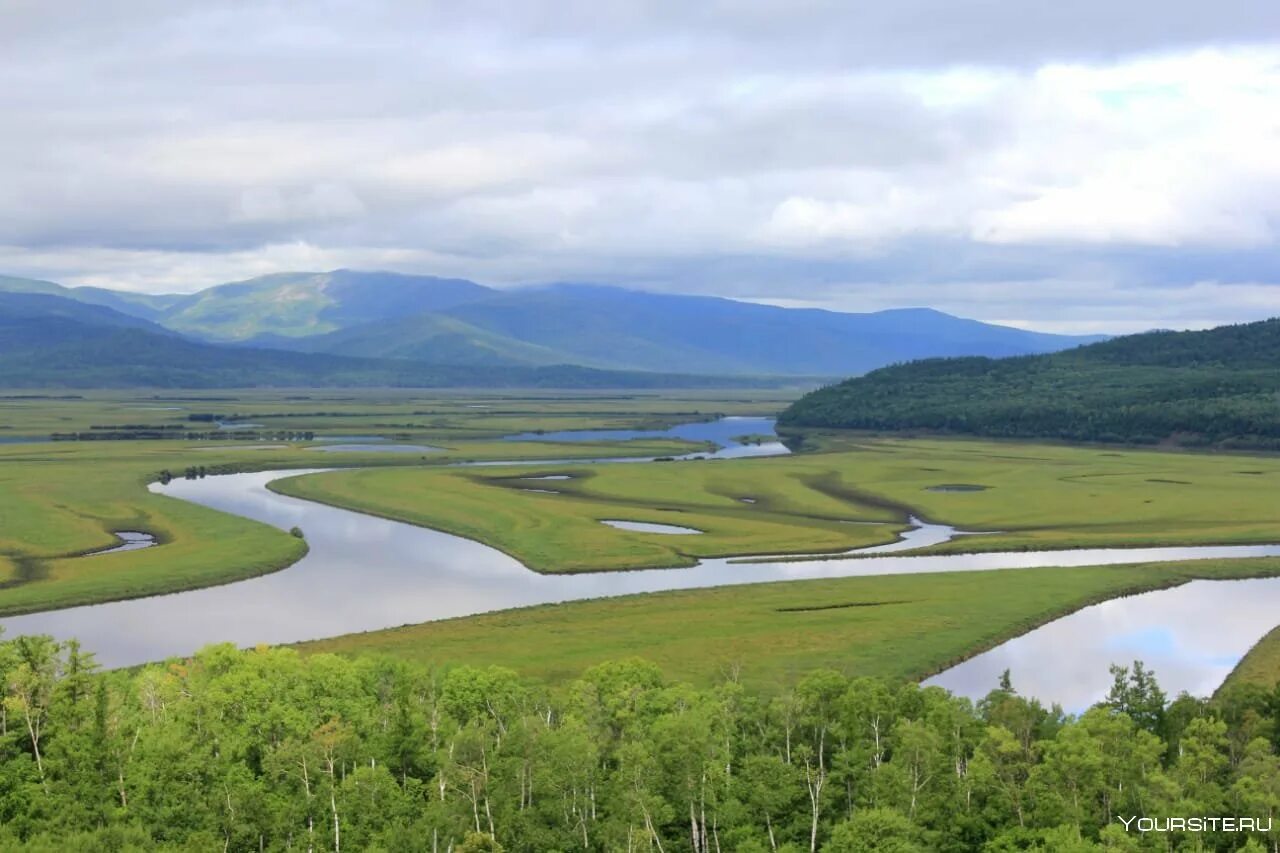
column 269, row 750
column 1219, row 387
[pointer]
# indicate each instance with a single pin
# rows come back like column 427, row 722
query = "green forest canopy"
column 268, row 749
column 1218, row 387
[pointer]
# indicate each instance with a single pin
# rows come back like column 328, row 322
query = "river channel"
column 364, row 573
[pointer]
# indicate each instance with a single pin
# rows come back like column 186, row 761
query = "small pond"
column 130, row 540
column 649, row 527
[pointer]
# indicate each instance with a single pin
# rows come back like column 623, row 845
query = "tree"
column 877, row 830
column 1136, row 694
column 31, row 690
column 478, row 842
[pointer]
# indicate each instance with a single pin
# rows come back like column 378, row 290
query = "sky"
column 1078, row 167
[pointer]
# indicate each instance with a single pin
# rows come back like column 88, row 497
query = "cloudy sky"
column 1100, row 165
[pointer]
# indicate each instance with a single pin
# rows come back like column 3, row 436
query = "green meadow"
column 442, row 414
column 1023, row 495
column 900, row 626
column 1261, row 666
column 61, row 500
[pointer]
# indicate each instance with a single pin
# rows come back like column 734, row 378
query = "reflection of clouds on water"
column 1191, row 636
column 1144, row 642
column 365, row 573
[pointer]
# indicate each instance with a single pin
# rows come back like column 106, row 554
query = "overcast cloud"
column 1069, row 166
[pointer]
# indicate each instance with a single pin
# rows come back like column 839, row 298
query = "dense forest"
column 270, row 750
column 1219, row 387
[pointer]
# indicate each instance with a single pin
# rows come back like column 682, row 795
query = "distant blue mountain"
column 458, row 322
column 612, row 327
column 50, row 341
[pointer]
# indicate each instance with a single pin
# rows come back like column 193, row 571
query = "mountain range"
column 396, row 318
column 49, row 341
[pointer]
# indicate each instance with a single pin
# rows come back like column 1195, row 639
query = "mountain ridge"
column 449, row 320
column 49, row 341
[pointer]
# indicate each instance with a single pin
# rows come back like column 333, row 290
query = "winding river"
column 365, row 573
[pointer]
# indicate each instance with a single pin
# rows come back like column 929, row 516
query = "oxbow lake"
column 364, row 573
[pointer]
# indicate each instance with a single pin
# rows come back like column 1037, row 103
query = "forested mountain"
column 144, row 305
column 283, row 305
column 25, row 317
column 1216, row 387
column 13, row 284
column 269, row 750
column 609, row 326
column 452, row 321
column 50, row 342
column 426, row 337
column 300, row 304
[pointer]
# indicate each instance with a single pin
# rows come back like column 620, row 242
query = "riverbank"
column 1260, row 667
column 903, row 626
column 814, row 506
column 60, row 501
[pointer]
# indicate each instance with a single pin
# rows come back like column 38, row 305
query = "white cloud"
column 173, row 145
column 1170, row 151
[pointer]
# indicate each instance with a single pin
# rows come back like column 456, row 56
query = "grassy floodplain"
column 1026, row 496
column 61, row 500
column 559, row 527
column 899, row 626
column 444, row 414
column 1261, row 666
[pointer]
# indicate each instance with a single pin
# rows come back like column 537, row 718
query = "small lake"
column 1192, row 636
column 721, row 432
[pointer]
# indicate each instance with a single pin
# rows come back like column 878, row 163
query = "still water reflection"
column 1192, row 636
column 722, row 432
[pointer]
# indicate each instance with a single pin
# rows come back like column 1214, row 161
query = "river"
column 365, row 573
